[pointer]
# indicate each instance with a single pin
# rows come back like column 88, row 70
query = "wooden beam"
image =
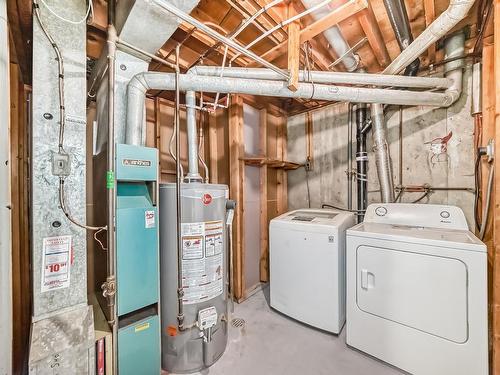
column 210, row 42
column 293, row 51
column 307, row 33
column 268, row 19
column 264, row 221
column 19, row 15
column 495, row 303
column 430, row 16
column 371, row 29
column 236, row 170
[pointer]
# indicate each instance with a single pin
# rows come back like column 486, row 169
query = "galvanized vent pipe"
column 193, row 174
column 367, row 79
column 142, row 82
column 396, row 10
column 456, row 11
column 334, row 37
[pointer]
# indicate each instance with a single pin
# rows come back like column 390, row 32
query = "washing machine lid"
column 313, row 217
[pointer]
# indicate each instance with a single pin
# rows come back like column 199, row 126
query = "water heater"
column 204, row 276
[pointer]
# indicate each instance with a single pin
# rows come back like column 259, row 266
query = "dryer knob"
column 381, row 211
column 445, row 214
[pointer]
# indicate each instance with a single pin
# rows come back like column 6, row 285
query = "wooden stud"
column 371, row 29
column 293, row 51
column 430, row 16
column 281, row 195
column 236, row 169
column 264, row 221
column 495, row 303
column 334, row 17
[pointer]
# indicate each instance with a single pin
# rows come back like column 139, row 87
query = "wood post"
column 237, row 178
column 264, row 221
column 293, row 51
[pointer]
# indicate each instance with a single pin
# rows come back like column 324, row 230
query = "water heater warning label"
column 202, row 261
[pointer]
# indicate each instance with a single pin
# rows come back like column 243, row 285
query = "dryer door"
column 424, row 292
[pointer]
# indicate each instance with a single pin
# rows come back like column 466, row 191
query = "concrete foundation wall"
column 328, row 179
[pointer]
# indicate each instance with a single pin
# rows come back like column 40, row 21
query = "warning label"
column 202, row 261
column 56, row 263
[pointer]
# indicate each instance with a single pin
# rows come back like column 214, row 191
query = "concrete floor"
column 272, row 344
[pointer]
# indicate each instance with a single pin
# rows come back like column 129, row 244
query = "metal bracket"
column 109, row 287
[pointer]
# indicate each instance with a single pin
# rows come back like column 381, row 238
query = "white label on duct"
column 202, row 261
column 149, row 218
column 207, row 318
column 56, row 263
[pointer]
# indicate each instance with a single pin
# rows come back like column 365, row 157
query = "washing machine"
column 417, row 290
column 307, row 266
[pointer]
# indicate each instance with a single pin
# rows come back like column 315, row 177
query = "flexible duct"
column 382, row 156
column 334, row 37
column 137, row 87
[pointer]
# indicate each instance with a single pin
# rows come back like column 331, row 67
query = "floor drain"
column 238, row 323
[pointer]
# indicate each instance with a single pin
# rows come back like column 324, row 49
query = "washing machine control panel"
column 419, row 215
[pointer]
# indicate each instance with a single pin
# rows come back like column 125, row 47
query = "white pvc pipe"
column 366, row 79
column 5, row 217
column 142, row 82
column 456, row 11
column 334, row 37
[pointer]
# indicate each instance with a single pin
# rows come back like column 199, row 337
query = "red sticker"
column 206, row 199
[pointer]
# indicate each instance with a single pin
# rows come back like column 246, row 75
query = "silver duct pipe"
column 367, row 79
column 193, row 173
column 382, row 156
column 334, row 37
column 142, row 82
column 455, row 47
column 455, row 12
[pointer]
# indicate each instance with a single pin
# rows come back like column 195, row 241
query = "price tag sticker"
column 56, row 263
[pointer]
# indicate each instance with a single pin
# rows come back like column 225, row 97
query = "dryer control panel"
column 419, row 215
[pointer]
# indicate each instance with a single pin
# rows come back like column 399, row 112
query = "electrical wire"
column 357, row 212
column 307, row 185
column 62, row 116
column 200, row 144
column 486, row 207
column 426, row 194
column 90, row 9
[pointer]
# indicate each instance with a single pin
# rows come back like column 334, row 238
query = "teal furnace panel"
column 139, row 348
column 135, row 163
column 137, row 248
